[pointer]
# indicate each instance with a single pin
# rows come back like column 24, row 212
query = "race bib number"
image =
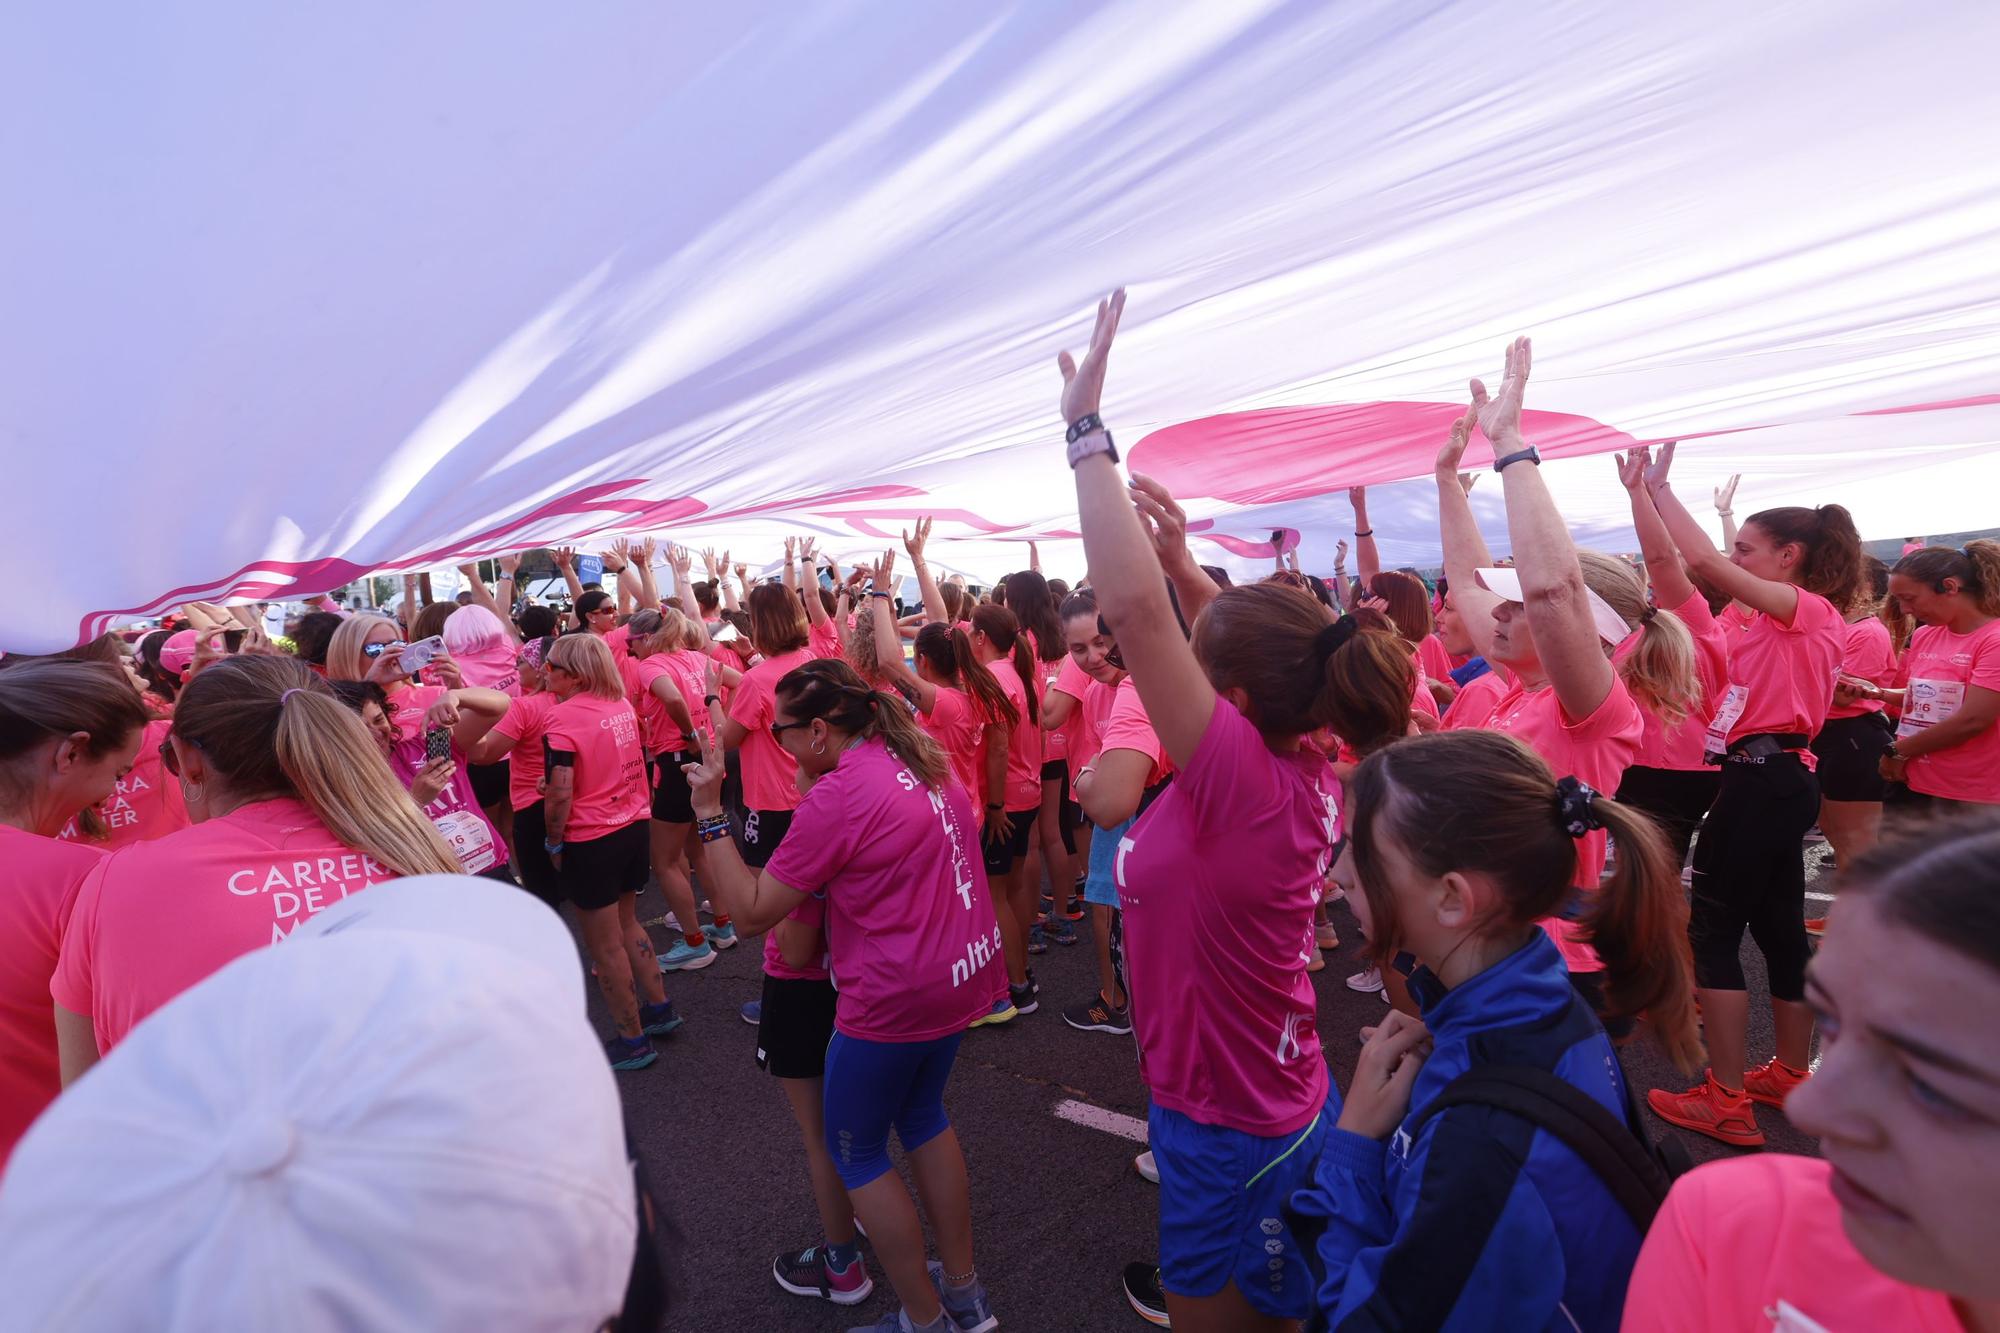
column 1726, row 713
column 470, row 839
column 1928, row 703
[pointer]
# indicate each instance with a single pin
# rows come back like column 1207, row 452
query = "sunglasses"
column 373, row 650
column 171, row 761
column 602, row 611
column 780, row 728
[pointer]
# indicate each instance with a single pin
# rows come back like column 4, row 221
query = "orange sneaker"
column 1816, row 926
column 1710, row 1109
column 1772, row 1081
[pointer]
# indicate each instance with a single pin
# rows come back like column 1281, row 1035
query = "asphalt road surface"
column 1040, row 1108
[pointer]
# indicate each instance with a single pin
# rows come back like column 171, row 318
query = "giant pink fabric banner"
column 296, row 292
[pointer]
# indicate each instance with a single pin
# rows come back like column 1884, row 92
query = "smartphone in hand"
column 437, row 742
column 419, row 654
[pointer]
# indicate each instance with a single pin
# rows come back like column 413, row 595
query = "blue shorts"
column 1100, row 885
column 872, row 1085
column 1222, row 1201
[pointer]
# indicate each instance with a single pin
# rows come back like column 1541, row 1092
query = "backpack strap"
column 1605, row 1142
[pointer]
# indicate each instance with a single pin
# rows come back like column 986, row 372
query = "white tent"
column 293, row 292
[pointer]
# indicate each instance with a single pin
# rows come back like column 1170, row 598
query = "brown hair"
column 1833, row 548
column 829, row 689
column 1409, row 602
column 777, row 619
column 589, row 659
column 1976, row 567
column 997, row 623
column 954, row 602
column 430, row 621
column 1937, row 878
column 1509, row 827
column 705, row 598
column 49, row 700
column 1266, row 640
column 270, row 727
column 1900, row 623
column 1034, row 606
column 1372, row 677
column 1661, row 671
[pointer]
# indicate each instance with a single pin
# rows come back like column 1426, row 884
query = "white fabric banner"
column 293, row 292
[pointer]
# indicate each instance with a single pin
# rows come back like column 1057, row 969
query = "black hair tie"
column 1576, row 807
column 1331, row 639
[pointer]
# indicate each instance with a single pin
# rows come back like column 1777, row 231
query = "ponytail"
column 270, row 728
column 1370, row 679
column 1832, row 566
column 1662, row 672
column 830, row 690
column 1976, row 566
column 997, row 623
column 1637, row 923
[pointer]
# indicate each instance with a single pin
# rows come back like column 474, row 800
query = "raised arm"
column 1465, row 550
column 809, row 582
column 1671, row 585
column 1779, row 600
column 914, row 544
column 682, row 560
column 1165, row 523
column 1367, row 560
column 642, row 561
column 1034, row 556
column 889, row 651
column 565, row 558
column 1131, row 588
column 1725, row 509
column 1558, row 604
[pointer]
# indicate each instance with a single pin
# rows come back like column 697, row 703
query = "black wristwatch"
column 1527, row 455
column 708, row 699
column 1088, row 438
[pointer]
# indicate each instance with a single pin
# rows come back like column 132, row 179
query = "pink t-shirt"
column 657, row 729
column 1596, row 750
column 455, row 810
column 610, row 768
column 1055, row 741
column 1432, row 661
column 770, row 776
column 147, row 802
column 526, row 722
column 823, row 639
column 811, row 912
column 690, row 672
column 1098, row 700
column 1680, row 748
column 493, row 667
column 953, row 724
column 1781, row 676
column 1867, row 653
column 42, row 879
column 1074, row 681
column 1937, row 669
column 619, row 641
column 1748, row 1244
column 154, row 918
column 1218, row 880
column 1127, row 727
column 915, row 950
column 407, row 707
column 1472, row 708
column 1024, row 744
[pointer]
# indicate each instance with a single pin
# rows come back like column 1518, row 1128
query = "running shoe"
column 967, row 1311
column 898, row 1321
column 1148, row 1297
column 659, row 1019
column 1146, row 1166
column 1315, row 961
column 1772, row 1082
column 1367, row 981
column 753, row 1012
column 1815, row 926
column 631, row 1052
column 1003, row 1011
column 685, row 957
column 806, row 1273
column 1023, row 997
column 1326, row 937
column 1038, row 939
column 1335, row 894
column 1063, row 932
column 722, row 936
column 1074, row 913
column 1096, row 1015
column 1710, row 1109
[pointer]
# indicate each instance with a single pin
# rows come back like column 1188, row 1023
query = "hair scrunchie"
column 286, row 697
column 1331, row 639
column 1576, row 807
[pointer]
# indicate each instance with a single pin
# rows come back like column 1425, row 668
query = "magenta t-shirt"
column 455, row 810
column 911, row 938
column 43, row 876
column 1218, row 880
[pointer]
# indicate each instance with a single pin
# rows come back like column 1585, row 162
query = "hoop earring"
column 819, row 747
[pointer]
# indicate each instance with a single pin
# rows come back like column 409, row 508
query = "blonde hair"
column 1661, row 671
column 270, row 727
column 344, row 658
column 589, row 659
column 859, row 644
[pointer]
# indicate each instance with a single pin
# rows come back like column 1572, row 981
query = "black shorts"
column 598, row 872
column 1850, row 757
column 1001, row 855
column 1055, row 770
column 797, row 1024
column 538, row 873
column 760, row 835
column 489, row 783
column 673, row 799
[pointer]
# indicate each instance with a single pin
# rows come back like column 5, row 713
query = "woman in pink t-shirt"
column 595, row 816
column 371, row 648
column 890, row 845
column 517, row 738
column 770, row 775
column 1857, row 730
column 1947, row 747
column 1032, row 603
column 1796, row 568
column 953, row 692
column 484, row 644
column 1895, row 1228
column 1012, row 783
column 293, row 809
column 68, row 731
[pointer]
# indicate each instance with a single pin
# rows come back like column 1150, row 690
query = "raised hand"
column 1632, row 467
column 1083, row 382
column 885, row 570
column 1467, row 480
column 644, row 552
column 682, row 559
column 1662, row 464
column 915, row 544
column 448, row 671
column 1725, row 495
column 1500, row 416
column 708, row 562
column 443, row 712
column 808, row 551
column 1358, row 497
column 565, row 558
column 1340, row 554
column 387, row 669
column 1453, row 449
column 791, row 549
column 1163, row 518
column 509, row 566
column 705, row 777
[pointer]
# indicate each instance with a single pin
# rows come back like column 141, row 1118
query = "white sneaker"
column 1146, row 1166
column 1367, row 981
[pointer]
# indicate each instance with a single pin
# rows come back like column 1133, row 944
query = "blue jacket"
column 1482, row 1220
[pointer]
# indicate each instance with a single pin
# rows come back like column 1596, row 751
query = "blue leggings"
column 871, row 1085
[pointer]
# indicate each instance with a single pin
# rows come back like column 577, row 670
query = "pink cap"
column 177, row 653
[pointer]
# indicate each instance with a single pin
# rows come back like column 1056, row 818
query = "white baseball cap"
column 1611, row 626
column 377, row 1129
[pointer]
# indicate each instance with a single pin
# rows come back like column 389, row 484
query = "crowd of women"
column 1554, row 794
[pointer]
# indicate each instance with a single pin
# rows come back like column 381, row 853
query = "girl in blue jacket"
column 1463, row 844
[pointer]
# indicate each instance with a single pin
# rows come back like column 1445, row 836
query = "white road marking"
column 1096, row 1117
column 1819, row 897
